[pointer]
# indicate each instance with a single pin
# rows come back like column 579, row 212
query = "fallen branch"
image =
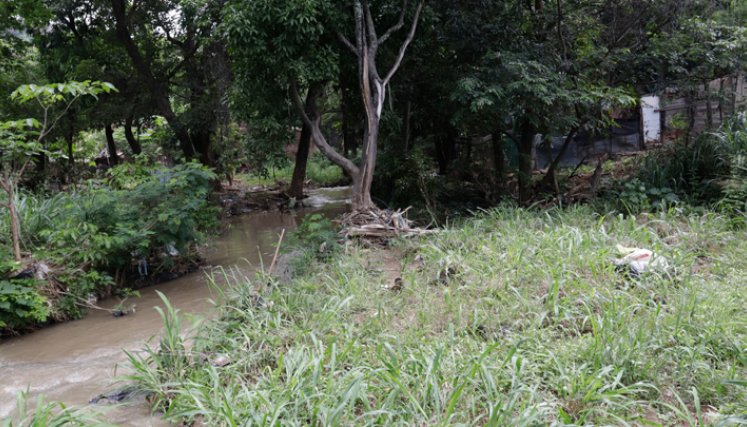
column 379, row 224
column 277, row 250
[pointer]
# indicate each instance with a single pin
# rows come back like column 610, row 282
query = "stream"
column 76, row 361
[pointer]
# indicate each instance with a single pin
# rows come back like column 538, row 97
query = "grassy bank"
column 320, row 172
column 510, row 318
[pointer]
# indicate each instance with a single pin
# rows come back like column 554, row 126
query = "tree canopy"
column 234, row 83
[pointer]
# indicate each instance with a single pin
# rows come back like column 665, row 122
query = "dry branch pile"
column 379, row 224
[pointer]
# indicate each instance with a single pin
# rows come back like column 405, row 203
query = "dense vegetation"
column 120, row 121
column 90, row 237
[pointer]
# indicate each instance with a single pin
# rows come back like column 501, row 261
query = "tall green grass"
column 49, row 414
column 512, row 318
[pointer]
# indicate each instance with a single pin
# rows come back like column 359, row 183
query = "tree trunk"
column 362, row 183
column 373, row 89
column 157, row 88
column 526, row 145
column 15, row 228
column 721, row 102
column 304, row 145
column 692, row 109
column 408, row 129
column 201, row 146
column 299, row 170
column 499, row 162
column 550, row 180
column 351, row 109
column 131, row 140
column 111, row 147
column 709, row 107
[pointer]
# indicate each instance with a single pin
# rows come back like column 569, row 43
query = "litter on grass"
column 640, row 260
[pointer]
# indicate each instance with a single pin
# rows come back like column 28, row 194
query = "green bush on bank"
column 710, row 171
column 89, row 235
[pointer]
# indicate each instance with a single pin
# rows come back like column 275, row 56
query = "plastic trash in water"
column 640, row 260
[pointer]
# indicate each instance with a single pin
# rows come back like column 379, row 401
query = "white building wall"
column 651, row 118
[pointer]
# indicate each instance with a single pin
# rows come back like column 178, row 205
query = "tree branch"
column 316, row 133
column 46, row 130
column 23, row 168
column 405, row 44
column 5, row 187
column 347, row 43
column 166, row 32
column 373, row 41
column 400, row 23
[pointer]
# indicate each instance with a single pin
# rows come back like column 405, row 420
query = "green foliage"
column 94, row 232
column 49, row 414
column 158, row 370
column 20, row 301
column 409, row 179
column 320, row 172
column 56, row 93
column 710, row 170
column 635, row 197
column 21, row 304
column 318, row 235
column 273, row 43
column 142, row 212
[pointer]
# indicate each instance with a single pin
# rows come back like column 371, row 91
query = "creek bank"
column 139, row 226
column 489, row 319
column 74, row 361
column 239, row 200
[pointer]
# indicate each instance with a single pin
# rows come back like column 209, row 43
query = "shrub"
column 634, row 197
column 90, row 234
column 21, row 304
column 712, row 171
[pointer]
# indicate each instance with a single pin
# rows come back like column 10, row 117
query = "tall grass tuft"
column 49, row 414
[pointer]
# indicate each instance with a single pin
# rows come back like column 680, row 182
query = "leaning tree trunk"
column 373, row 91
column 111, row 147
column 304, row 146
column 295, row 189
column 158, row 89
column 551, row 179
column 130, row 137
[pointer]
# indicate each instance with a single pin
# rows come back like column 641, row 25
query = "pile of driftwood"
column 379, row 224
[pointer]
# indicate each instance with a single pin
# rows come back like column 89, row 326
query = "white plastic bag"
column 640, row 260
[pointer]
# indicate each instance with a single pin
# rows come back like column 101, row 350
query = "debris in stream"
column 121, row 311
column 116, row 396
column 37, row 270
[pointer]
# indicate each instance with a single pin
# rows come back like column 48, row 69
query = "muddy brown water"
column 76, row 361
